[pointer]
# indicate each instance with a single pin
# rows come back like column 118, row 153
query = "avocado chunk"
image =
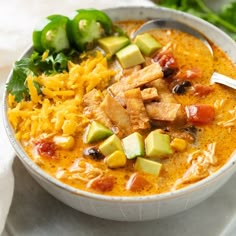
column 157, row 145
column 130, row 56
column 147, row 44
column 133, row 145
column 96, row 132
column 147, row 166
column 110, row 145
column 112, row 44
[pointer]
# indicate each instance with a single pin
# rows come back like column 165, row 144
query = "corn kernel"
column 179, row 144
column 116, row 159
column 65, row 142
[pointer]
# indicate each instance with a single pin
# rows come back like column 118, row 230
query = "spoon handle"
column 222, row 79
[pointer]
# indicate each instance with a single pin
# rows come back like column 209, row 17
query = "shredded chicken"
column 202, row 164
column 80, row 170
column 231, row 121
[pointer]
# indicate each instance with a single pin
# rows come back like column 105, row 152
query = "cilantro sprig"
column 225, row 18
column 35, row 65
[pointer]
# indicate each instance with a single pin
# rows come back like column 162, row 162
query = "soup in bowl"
column 119, row 127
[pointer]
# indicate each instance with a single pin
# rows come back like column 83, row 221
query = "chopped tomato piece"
column 102, row 183
column 202, row 90
column 46, row 149
column 137, row 182
column 166, row 58
column 200, row 113
column 189, row 74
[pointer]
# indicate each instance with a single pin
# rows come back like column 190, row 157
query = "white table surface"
column 35, row 212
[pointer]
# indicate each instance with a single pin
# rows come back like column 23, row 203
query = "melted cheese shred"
column 58, row 108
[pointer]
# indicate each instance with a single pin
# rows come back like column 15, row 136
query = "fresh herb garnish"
column 35, row 65
column 225, row 18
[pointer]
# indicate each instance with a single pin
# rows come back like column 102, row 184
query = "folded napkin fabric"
column 6, row 176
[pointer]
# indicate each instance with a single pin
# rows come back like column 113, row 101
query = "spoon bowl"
column 172, row 24
column 222, row 79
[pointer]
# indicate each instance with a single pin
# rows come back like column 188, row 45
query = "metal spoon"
column 222, row 79
column 171, row 24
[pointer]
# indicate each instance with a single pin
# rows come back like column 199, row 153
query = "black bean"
column 181, row 88
column 186, row 83
column 94, row 153
column 191, row 129
column 168, row 71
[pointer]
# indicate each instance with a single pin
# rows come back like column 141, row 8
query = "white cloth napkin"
column 17, row 20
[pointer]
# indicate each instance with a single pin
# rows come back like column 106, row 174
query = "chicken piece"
column 136, row 110
column 202, row 164
column 117, row 114
column 162, row 111
column 92, row 101
column 149, row 94
column 135, row 80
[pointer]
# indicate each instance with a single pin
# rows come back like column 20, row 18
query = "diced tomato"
column 200, row 113
column 102, row 184
column 202, row 90
column 166, row 59
column 46, row 149
column 189, row 74
column 137, row 182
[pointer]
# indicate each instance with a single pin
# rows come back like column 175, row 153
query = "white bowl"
column 146, row 207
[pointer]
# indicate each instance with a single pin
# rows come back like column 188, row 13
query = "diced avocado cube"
column 157, row 145
column 130, row 56
column 147, row 166
column 112, row 44
column 147, row 44
column 96, row 132
column 133, row 145
column 116, row 160
column 110, row 145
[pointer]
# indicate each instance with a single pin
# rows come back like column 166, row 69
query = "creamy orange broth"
column 189, row 53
